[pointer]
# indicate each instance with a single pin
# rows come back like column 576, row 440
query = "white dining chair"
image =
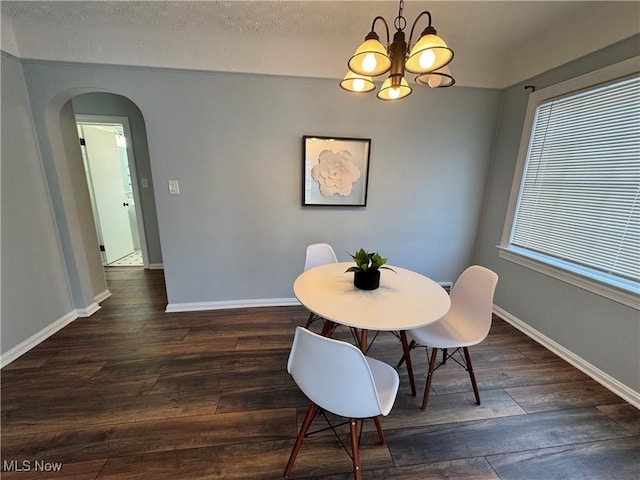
column 466, row 323
column 338, row 378
column 318, row 254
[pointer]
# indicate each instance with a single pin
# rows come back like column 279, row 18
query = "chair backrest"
column 472, row 299
column 334, row 375
column 319, row 254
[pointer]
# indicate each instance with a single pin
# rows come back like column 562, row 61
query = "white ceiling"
column 496, row 44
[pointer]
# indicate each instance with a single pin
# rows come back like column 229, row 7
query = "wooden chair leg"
column 407, row 358
column 432, row 366
column 376, row 420
column 444, row 355
column 355, row 451
column 412, row 345
column 309, row 320
column 467, row 359
column 303, row 431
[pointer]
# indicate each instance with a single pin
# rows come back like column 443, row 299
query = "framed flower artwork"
column 335, row 171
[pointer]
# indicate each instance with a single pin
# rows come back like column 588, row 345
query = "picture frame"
column 335, row 171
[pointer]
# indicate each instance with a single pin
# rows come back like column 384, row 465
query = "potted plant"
column 367, row 270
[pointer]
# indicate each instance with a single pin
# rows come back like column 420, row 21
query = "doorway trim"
column 124, row 121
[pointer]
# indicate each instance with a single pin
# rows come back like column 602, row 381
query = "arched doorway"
column 71, row 197
column 107, row 108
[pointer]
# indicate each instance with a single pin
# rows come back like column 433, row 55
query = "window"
column 576, row 208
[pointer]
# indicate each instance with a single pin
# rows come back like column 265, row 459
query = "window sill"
column 618, row 294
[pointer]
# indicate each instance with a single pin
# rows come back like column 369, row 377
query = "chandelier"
column 428, row 59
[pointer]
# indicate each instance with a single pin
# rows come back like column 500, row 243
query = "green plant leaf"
column 377, row 261
column 367, row 261
column 362, row 258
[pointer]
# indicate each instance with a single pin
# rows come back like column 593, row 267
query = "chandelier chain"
column 400, row 22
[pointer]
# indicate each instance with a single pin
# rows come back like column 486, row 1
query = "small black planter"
column 369, row 280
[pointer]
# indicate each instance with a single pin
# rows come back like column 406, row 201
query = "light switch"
column 144, row 182
column 174, row 188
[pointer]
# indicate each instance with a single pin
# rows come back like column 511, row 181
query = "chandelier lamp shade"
column 437, row 79
column 357, row 83
column 428, row 59
column 389, row 91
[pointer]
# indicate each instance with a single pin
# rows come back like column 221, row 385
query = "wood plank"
column 79, row 413
column 625, row 415
column 224, row 361
column 12, row 445
column 467, row 469
column 453, row 379
column 36, row 396
column 539, row 354
column 617, row 459
column 488, row 358
column 15, row 379
column 180, row 433
column 255, row 460
column 435, row 443
column 450, row 409
column 33, row 359
column 265, row 342
column 122, row 340
column 176, row 382
column 445, row 409
column 236, row 399
column 555, row 396
column 143, row 351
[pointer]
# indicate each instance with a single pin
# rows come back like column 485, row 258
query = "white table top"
column 405, row 299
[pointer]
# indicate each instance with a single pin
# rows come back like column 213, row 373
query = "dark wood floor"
column 136, row 393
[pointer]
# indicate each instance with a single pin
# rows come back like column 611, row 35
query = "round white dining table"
column 404, row 300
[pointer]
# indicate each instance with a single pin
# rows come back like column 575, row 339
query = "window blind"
column 579, row 200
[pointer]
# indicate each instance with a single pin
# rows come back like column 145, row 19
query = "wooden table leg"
column 326, row 329
column 407, row 359
column 363, row 341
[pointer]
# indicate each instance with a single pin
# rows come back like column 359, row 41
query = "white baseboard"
column 595, row 373
column 156, row 266
column 199, row 306
column 89, row 310
column 37, row 338
column 101, row 297
column 50, row 329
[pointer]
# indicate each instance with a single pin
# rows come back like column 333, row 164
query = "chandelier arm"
column 386, row 27
column 426, row 12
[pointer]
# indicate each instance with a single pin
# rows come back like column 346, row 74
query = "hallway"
column 132, row 260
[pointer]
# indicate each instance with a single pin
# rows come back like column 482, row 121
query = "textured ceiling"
column 495, row 43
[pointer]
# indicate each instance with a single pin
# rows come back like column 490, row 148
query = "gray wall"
column 237, row 230
column 601, row 331
column 116, row 105
column 35, row 291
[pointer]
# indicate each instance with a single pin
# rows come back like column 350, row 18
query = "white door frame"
column 124, row 121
